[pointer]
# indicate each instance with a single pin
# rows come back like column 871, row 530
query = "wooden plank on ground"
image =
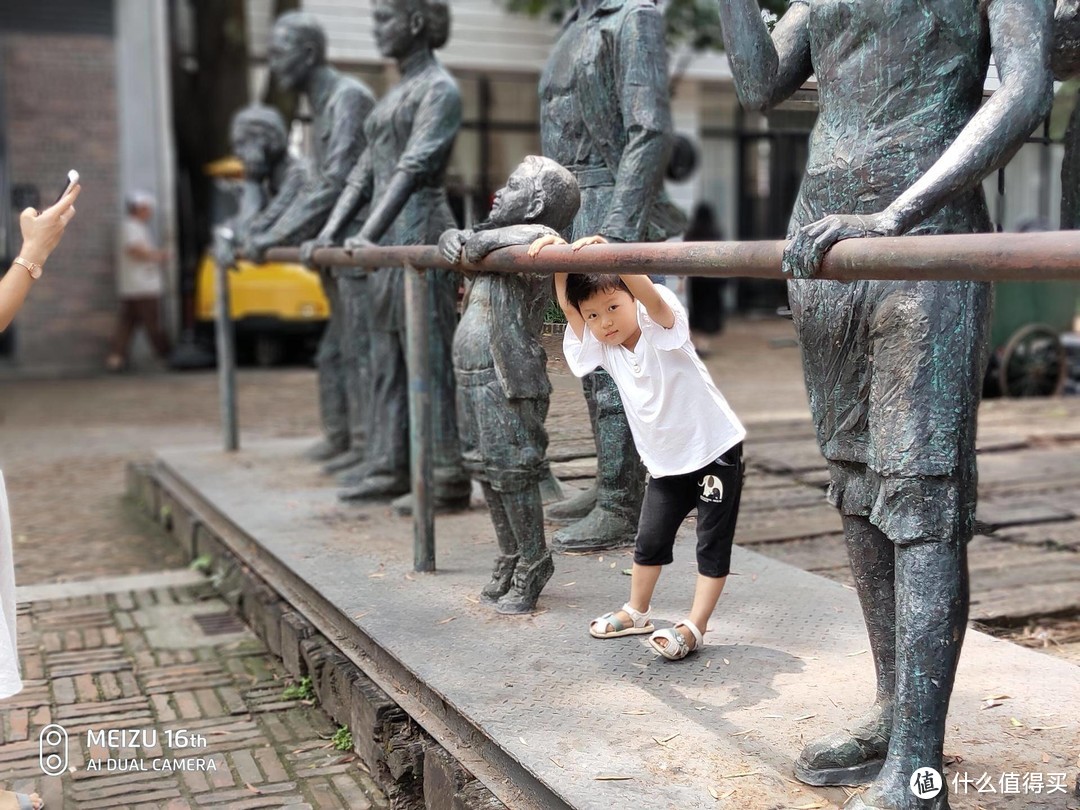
column 773, row 526
column 1019, row 510
column 818, row 554
column 1019, row 604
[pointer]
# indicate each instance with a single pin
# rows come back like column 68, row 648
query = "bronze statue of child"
column 500, row 369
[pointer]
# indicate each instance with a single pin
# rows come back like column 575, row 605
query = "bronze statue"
column 339, row 105
column 605, row 116
column 410, row 134
column 894, row 368
column 271, row 178
column 501, row 372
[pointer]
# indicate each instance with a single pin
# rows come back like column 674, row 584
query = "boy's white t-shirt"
column 679, row 419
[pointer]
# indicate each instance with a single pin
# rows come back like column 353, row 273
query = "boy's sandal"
column 676, row 647
column 611, row 626
column 22, row 801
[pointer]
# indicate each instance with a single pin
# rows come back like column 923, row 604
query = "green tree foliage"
column 695, row 22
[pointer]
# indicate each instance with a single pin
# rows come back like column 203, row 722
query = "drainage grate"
column 218, row 624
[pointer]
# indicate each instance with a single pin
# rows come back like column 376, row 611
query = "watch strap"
column 33, row 268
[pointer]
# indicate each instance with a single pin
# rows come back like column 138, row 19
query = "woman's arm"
column 573, row 317
column 643, row 289
column 767, row 68
column 41, row 234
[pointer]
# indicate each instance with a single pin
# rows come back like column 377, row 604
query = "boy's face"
column 611, row 316
column 514, row 202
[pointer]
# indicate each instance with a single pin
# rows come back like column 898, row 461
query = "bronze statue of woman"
column 401, row 173
column 894, row 368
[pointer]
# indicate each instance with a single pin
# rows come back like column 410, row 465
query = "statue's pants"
column 388, row 447
column 333, row 399
column 355, row 345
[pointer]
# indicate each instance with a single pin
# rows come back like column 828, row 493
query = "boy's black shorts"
column 715, row 490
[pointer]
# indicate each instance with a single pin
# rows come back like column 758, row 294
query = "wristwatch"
column 35, row 270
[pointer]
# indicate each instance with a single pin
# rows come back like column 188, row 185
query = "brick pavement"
column 156, row 661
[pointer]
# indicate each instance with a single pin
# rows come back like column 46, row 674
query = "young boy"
column 687, row 436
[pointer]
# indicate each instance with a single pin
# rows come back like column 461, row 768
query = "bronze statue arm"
column 389, row 205
column 767, row 68
column 481, row 243
column 295, row 179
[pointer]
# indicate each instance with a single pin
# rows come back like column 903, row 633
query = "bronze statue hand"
column 543, row 242
column 308, row 248
column 451, row 244
column 806, row 251
column 355, row 243
column 254, row 251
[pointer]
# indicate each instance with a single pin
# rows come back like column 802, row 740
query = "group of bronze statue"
column 893, row 368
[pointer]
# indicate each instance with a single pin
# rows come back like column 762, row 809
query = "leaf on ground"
column 714, row 793
column 739, row 775
column 252, row 788
column 860, row 652
column 523, row 742
column 997, row 697
column 612, row 777
column 557, row 762
column 613, row 565
column 804, row 717
column 1015, row 723
column 628, row 572
column 600, row 558
column 361, row 615
column 568, row 584
column 991, row 704
column 409, row 576
column 666, row 740
column 811, row 806
column 446, row 620
column 472, row 599
column 376, row 575
column 726, row 661
column 708, row 663
column 1047, row 728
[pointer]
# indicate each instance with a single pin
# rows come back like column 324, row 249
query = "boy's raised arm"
column 643, row 289
column 573, row 317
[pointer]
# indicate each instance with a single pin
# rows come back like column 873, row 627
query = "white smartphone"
column 72, row 179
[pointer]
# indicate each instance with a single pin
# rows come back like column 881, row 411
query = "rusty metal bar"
column 1049, row 256
column 226, row 361
column 421, row 430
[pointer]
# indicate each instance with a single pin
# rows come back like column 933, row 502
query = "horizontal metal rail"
column 1047, row 256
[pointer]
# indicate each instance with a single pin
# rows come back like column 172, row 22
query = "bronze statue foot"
column 525, row 587
column 342, row 461
column 403, row 506
column 501, row 577
column 324, row 450
column 574, row 508
column 892, row 791
column 377, row 487
column 852, row 756
column 356, row 475
column 600, row 530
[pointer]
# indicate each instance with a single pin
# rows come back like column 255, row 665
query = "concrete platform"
column 547, row 717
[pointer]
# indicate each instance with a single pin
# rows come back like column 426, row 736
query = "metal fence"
column 977, row 257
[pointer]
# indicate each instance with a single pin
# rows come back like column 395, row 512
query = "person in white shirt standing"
column 139, row 282
column 684, row 430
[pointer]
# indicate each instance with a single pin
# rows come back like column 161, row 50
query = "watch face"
column 35, row 271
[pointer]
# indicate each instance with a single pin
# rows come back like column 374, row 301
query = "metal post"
column 417, row 321
column 226, row 360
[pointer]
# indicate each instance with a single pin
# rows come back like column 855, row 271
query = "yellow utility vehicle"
column 278, row 308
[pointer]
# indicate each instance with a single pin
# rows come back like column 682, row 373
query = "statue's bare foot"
column 851, row 756
column 892, row 791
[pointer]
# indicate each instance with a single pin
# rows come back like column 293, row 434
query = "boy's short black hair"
column 581, row 287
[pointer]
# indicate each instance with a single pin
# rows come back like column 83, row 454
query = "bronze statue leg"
column 854, row 755
column 931, row 617
column 503, row 571
column 333, row 404
column 620, row 476
column 525, row 514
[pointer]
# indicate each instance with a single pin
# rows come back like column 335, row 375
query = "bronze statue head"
column 539, row 191
column 259, row 139
column 403, row 27
column 297, row 47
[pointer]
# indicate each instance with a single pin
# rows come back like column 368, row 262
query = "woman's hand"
column 806, row 250
column 41, row 232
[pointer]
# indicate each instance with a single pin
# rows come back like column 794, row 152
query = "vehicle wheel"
column 1033, row 363
column 269, row 351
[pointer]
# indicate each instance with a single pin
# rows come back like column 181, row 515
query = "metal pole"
column 417, row 318
column 1051, row 256
column 226, row 360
